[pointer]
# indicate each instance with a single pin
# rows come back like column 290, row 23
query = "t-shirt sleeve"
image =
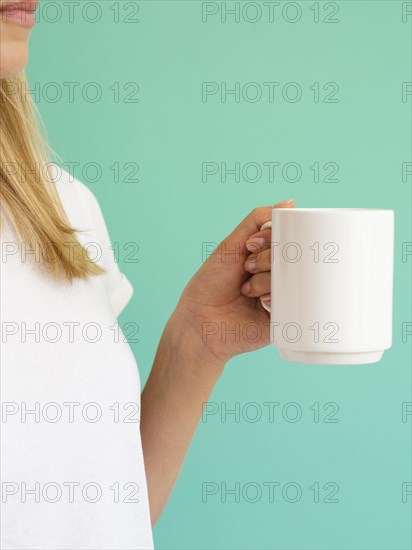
column 118, row 287
column 84, row 213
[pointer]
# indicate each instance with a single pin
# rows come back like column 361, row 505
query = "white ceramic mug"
column 331, row 284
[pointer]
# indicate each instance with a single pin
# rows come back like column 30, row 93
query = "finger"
column 232, row 251
column 260, row 239
column 257, row 285
column 289, row 203
column 252, row 224
column 258, row 262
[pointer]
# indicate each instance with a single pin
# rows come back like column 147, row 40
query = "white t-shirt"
column 72, row 471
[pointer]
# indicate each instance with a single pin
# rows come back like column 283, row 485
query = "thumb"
column 252, row 224
column 223, row 272
column 232, row 251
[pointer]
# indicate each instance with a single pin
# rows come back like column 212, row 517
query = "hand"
column 217, row 317
column 219, row 313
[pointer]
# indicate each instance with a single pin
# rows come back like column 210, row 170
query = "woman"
column 73, row 474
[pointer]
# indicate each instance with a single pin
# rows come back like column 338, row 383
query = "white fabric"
column 79, row 376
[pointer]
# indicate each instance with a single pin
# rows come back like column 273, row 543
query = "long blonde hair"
column 28, row 195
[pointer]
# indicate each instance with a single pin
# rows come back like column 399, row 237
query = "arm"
column 171, row 408
column 195, row 347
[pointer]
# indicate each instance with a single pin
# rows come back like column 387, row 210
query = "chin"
column 13, row 58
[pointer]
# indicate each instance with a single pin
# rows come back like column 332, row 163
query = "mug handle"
column 266, row 225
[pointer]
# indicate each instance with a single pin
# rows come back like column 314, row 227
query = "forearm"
column 182, row 378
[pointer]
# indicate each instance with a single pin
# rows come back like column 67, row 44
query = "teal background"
column 169, row 212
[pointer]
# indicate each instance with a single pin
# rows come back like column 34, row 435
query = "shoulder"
column 77, row 199
column 85, row 216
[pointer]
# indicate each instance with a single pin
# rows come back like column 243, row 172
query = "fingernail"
column 289, row 202
column 246, row 288
column 255, row 244
column 265, row 297
column 251, row 263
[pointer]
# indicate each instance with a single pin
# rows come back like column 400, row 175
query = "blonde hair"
column 28, row 194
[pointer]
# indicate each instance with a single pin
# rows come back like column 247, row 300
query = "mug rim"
column 335, row 210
